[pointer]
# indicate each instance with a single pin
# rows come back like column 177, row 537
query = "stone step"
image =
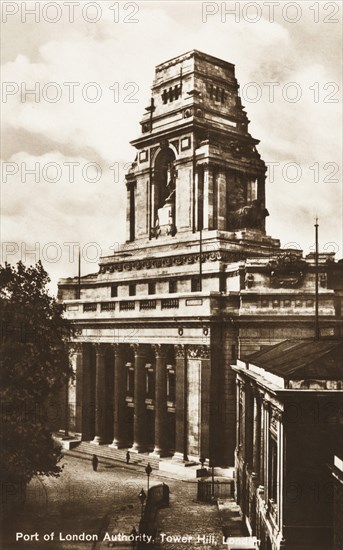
column 104, row 451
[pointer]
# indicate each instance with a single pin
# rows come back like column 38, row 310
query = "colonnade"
column 139, row 397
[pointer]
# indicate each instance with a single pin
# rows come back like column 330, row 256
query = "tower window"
column 251, row 191
column 217, row 93
column 195, row 284
column 132, row 289
column 114, row 291
column 152, row 288
column 172, row 286
column 171, row 94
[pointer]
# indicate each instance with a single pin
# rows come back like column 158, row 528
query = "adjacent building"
column 197, row 282
column 289, row 426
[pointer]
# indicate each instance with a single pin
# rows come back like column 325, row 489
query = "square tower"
column 197, row 166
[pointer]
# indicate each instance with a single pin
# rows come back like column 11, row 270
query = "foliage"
column 34, row 367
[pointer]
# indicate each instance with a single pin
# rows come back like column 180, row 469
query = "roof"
column 302, row 359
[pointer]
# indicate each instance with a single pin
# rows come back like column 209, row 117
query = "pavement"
column 186, row 523
column 105, row 503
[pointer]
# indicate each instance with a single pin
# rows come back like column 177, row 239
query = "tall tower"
column 197, row 166
column 164, row 313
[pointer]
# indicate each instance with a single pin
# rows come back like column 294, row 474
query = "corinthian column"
column 139, row 411
column 100, row 396
column 119, row 397
column 161, row 412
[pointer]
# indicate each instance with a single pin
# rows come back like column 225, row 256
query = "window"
column 195, row 284
column 172, row 286
column 170, row 383
column 251, row 191
column 272, row 465
column 132, row 289
column 114, row 291
column 130, row 379
column 152, row 288
column 149, row 382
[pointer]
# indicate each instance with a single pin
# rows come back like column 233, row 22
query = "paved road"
column 80, row 500
column 86, row 503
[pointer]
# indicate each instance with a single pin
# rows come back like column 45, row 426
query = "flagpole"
column 317, row 330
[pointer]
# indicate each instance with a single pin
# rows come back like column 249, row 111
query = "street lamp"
column 211, row 464
column 148, row 471
column 142, row 497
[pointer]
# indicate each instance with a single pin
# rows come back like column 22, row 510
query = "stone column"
column 100, row 396
column 139, row 412
column 78, row 382
column 264, row 480
column 256, row 435
column 221, row 199
column 119, row 397
column 180, row 404
column 87, row 397
column 161, row 410
column 208, row 197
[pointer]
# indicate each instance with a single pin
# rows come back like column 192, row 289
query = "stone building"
column 336, row 469
column 289, row 409
column 196, row 282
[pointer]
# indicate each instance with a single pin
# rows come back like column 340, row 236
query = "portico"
column 137, row 397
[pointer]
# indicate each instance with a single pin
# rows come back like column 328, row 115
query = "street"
column 79, row 501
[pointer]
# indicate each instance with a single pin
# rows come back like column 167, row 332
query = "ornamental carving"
column 184, row 259
column 75, row 347
column 159, row 350
column 198, row 352
column 179, row 350
column 275, row 417
column 249, row 280
column 286, row 271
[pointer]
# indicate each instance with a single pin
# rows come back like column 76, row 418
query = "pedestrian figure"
column 95, row 462
column 128, row 456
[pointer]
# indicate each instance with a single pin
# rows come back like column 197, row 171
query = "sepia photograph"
column 171, row 275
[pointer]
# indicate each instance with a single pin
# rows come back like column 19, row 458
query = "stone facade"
column 288, row 427
column 197, row 281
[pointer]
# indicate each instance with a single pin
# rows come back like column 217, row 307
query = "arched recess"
column 163, row 189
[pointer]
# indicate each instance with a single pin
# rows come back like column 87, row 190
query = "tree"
column 34, row 366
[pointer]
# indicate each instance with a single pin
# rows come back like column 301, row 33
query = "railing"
column 108, row 306
column 169, row 303
column 207, row 489
column 89, row 307
column 125, row 306
column 148, row 304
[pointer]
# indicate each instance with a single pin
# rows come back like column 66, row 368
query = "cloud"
column 122, row 56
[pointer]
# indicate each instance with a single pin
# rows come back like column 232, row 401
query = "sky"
column 76, row 79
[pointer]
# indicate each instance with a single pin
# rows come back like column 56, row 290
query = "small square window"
column 172, row 286
column 152, row 288
column 195, row 284
column 287, row 303
column 264, row 303
column 132, row 289
column 114, row 291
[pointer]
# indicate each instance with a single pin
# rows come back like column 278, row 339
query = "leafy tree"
column 34, row 367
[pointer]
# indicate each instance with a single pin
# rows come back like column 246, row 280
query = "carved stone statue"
column 250, row 216
column 170, row 182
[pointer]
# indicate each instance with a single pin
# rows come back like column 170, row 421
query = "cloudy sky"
column 91, row 65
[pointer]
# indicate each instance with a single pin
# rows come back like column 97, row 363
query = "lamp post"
column 142, row 497
column 148, row 471
column 211, row 464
